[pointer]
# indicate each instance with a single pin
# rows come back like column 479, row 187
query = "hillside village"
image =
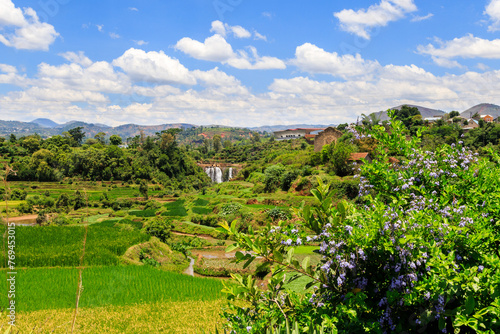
column 472, row 118
column 159, row 203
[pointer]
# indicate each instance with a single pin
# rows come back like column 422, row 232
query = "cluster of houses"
column 320, row 137
column 466, row 123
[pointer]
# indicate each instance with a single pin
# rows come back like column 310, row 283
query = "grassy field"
column 55, row 288
column 175, row 209
column 50, row 246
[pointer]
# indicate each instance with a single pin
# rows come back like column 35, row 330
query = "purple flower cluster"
column 356, row 134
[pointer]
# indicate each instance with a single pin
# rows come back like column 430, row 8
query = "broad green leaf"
column 231, row 247
column 441, row 323
column 470, row 303
column 305, row 263
column 278, row 256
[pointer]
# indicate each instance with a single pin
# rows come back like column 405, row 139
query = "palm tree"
column 370, row 120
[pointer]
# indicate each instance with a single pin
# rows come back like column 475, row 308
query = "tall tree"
column 217, row 140
column 101, row 138
column 77, row 135
column 115, row 140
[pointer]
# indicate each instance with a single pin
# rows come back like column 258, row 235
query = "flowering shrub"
column 230, row 208
column 419, row 254
column 277, row 214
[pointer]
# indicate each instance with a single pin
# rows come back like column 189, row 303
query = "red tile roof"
column 393, row 160
column 358, row 156
column 305, row 129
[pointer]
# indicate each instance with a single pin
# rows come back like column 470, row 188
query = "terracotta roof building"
column 358, row 157
column 294, row 133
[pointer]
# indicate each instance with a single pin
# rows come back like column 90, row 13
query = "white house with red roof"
column 295, row 133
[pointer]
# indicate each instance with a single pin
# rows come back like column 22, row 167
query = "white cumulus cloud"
column 312, row 59
column 252, row 61
column 98, row 77
column 217, row 49
column 493, row 11
column 153, row 67
column 240, row 32
column 23, row 29
column 78, row 58
column 224, row 29
column 361, row 22
column 466, row 47
column 214, row 48
column 10, row 15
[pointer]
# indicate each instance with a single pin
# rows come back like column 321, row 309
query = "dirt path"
column 201, row 236
column 28, row 219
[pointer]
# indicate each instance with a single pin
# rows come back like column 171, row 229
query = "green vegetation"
column 104, row 286
column 418, row 251
column 335, row 249
column 50, row 246
column 157, row 159
column 142, row 213
column 175, row 209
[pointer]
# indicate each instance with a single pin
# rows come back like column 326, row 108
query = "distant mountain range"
column 46, row 127
column 425, row 112
column 45, row 122
column 272, row 128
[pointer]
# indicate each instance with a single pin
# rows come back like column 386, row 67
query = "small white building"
column 432, row 119
column 294, row 133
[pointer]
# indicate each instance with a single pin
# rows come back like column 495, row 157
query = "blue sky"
column 243, row 62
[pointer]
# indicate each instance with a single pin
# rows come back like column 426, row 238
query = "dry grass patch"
column 165, row 317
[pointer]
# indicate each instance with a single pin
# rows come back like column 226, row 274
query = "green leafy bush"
column 345, row 188
column 418, row 254
column 273, row 176
column 158, row 227
column 277, row 214
column 201, row 202
column 211, row 220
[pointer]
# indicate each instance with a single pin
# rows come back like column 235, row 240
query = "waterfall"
column 218, row 175
column 215, row 174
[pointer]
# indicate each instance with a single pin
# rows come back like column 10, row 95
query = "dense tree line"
column 156, row 158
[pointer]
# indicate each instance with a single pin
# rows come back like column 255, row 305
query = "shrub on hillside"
column 287, row 179
column 272, row 177
column 345, row 188
column 211, row 220
column 18, row 195
column 158, row 227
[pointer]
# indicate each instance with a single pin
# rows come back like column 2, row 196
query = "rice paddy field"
column 115, row 299
column 183, row 317
column 55, row 288
column 119, row 298
column 50, row 246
